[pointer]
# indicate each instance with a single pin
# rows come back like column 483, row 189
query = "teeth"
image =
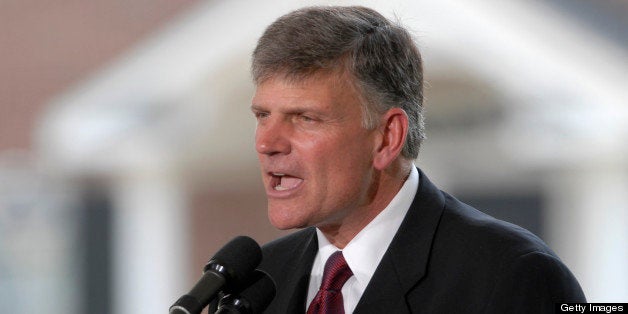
column 280, row 188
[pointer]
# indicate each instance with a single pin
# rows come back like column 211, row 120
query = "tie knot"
column 336, row 272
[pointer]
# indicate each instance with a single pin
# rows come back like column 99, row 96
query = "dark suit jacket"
column 446, row 257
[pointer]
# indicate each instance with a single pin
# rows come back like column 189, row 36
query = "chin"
column 283, row 218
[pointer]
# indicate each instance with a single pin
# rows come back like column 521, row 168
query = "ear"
column 393, row 130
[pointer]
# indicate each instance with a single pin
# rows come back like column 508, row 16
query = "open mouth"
column 283, row 182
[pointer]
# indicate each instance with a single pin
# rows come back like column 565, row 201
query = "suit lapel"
column 405, row 261
column 294, row 293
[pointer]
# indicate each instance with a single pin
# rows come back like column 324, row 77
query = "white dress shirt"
column 364, row 252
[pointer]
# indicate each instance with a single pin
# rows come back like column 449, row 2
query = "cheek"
column 348, row 168
column 355, row 143
column 338, row 160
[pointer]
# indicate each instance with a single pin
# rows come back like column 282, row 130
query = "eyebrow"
column 290, row 110
column 257, row 108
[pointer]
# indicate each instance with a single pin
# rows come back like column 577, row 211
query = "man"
column 339, row 122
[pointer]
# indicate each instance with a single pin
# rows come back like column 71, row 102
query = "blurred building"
column 126, row 140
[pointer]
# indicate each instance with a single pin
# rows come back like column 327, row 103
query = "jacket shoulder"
column 496, row 265
column 470, row 230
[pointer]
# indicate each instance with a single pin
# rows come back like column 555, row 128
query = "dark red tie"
column 328, row 300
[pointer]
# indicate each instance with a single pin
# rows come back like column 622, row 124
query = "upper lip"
column 282, row 173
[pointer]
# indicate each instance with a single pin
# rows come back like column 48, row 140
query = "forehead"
column 321, row 89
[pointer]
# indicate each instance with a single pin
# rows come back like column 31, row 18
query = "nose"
column 272, row 137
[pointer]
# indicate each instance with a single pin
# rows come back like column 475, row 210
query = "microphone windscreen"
column 239, row 257
column 252, row 295
column 260, row 293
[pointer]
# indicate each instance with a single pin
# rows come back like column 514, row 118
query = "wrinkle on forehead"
column 339, row 77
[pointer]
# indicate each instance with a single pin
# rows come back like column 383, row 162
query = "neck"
column 386, row 185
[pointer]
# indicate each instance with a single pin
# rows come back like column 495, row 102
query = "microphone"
column 231, row 264
column 257, row 294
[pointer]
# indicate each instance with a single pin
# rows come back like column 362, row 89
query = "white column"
column 588, row 227
column 150, row 244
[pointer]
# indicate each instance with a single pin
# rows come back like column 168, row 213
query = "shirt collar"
column 364, row 252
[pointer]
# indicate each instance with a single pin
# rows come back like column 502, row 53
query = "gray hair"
column 379, row 55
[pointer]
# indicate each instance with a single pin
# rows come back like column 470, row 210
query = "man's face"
column 315, row 155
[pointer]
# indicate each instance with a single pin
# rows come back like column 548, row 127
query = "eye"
column 261, row 114
column 306, row 118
